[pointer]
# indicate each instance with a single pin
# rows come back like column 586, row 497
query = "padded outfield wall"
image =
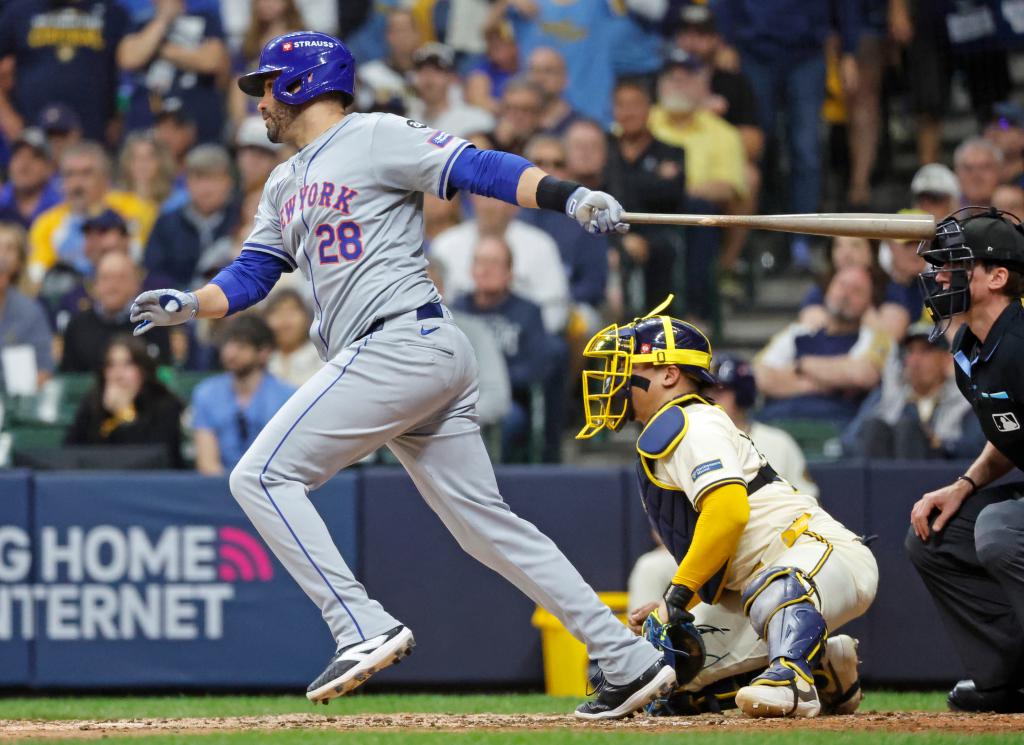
column 157, row 580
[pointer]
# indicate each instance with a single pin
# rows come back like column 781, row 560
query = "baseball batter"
column 747, row 543
column 346, row 211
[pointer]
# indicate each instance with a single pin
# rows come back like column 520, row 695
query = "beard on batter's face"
column 279, row 117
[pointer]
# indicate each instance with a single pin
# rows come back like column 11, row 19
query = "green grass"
column 108, row 707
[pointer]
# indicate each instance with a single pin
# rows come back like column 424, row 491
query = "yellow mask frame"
column 606, row 399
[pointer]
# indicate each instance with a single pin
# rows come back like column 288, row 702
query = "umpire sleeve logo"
column 1006, row 422
column 705, row 468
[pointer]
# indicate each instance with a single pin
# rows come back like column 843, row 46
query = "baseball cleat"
column 618, row 701
column 783, row 690
column 351, row 666
column 837, row 680
column 966, row 697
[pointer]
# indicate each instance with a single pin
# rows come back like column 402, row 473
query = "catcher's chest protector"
column 670, row 511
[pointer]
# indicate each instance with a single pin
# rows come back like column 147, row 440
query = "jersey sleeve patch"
column 706, row 467
column 441, row 139
column 662, row 433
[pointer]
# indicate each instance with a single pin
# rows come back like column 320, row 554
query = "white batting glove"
column 596, row 211
column 163, row 308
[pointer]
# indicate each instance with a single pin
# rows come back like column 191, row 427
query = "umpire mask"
column 961, row 239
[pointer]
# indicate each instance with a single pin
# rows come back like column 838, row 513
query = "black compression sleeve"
column 553, row 193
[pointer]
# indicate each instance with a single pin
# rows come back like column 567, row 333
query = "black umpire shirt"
column 991, row 377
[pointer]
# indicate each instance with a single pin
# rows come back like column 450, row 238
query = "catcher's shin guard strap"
column 779, row 605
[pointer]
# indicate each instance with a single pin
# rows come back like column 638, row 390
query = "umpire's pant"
column 974, row 570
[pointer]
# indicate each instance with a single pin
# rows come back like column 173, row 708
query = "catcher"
column 764, row 573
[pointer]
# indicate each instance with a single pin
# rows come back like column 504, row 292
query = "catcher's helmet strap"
column 692, row 357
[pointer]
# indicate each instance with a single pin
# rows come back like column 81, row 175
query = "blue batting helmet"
column 736, row 374
column 655, row 339
column 307, row 64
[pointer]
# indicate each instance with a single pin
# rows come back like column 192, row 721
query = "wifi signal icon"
column 242, row 557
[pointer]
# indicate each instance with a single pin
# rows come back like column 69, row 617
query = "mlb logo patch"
column 1006, row 422
column 645, row 348
column 440, row 139
column 286, row 47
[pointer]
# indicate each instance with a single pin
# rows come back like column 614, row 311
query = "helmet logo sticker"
column 286, row 47
column 645, row 348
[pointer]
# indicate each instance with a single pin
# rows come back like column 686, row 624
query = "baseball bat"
column 854, row 224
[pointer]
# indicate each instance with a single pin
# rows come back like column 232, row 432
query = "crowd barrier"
column 158, row 580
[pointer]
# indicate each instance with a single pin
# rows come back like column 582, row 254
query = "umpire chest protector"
column 671, row 514
column 991, row 377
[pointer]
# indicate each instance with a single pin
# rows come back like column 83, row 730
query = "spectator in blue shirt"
column 230, row 409
column 22, row 319
column 30, row 188
column 181, row 244
column 518, row 327
column 64, row 50
column 176, row 53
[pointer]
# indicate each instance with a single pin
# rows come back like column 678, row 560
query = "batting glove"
column 595, row 211
column 163, row 308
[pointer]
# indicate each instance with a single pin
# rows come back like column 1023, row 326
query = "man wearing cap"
column 433, row 78
column 936, row 190
column 64, row 291
column 64, row 52
column 62, row 126
column 967, row 539
column 182, row 238
column 919, row 414
column 255, row 155
column 715, row 159
column 30, row 189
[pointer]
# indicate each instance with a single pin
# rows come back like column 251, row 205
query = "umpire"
column 967, row 538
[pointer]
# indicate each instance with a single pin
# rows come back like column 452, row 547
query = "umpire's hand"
column 946, row 500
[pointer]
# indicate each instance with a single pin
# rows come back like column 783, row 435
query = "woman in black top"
column 128, row 405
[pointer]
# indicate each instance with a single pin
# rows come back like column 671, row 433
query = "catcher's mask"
column 967, row 235
column 655, row 339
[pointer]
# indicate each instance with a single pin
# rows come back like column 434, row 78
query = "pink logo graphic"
column 242, row 557
column 286, row 47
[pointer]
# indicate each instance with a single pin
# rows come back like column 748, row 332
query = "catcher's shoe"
column 618, row 701
column 837, row 679
column 785, row 689
column 351, row 666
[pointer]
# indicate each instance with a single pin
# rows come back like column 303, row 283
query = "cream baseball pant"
column 845, row 575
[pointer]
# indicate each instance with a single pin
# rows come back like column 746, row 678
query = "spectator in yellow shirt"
column 715, row 159
column 56, row 235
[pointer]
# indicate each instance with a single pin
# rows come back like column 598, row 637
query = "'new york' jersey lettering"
column 346, row 211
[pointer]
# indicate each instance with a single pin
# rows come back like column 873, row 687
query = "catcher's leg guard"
column 779, row 605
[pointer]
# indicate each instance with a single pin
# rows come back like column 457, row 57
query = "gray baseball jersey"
column 346, row 211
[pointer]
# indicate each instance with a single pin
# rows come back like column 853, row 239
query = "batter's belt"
column 423, row 313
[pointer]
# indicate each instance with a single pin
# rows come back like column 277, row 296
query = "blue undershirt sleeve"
column 490, row 173
column 249, row 278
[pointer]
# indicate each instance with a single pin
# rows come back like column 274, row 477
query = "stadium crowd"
column 131, row 161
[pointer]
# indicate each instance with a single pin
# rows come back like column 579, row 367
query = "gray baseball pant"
column 416, row 394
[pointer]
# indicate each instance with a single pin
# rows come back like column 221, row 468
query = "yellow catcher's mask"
column 655, row 339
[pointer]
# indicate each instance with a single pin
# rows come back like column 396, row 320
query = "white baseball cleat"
column 351, row 666
column 782, row 690
column 837, row 679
